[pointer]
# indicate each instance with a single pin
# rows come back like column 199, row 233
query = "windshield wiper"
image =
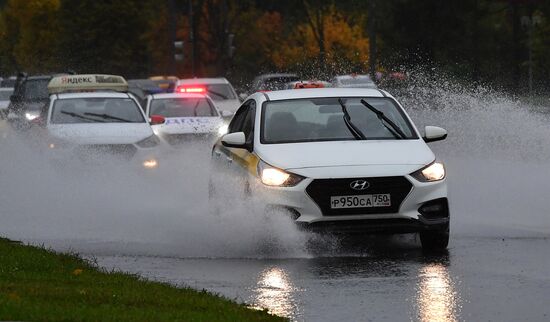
column 392, row 127
column 107, row 116
column 81, row 116
column 351, row 127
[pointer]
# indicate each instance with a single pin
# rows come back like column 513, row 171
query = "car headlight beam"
column 433, row 172
column 271, row 176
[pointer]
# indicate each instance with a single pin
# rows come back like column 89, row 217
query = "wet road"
column 479, row 279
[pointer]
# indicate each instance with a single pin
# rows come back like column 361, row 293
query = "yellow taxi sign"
column 87, row 83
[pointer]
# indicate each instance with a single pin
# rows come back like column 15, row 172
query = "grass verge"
column 40, row 285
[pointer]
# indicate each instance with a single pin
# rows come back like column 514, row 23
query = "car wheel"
column 435, row 240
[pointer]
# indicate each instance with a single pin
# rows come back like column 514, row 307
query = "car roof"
column 176, row 95
column 217, row 80
column 264, row 76
column 359, row 76
column 92, row 94
column 323, row 92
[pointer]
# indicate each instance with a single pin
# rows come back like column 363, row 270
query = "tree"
column 28, row 36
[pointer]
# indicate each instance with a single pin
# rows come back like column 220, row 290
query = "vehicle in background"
column 141, row 88
column 337, row 161
column 93, row 118
column 5, row 93
column 29, row 100
column 188, row 116
column 272, row 82
column 219, row 89
column 307, row 84
column 166, row 83
column 8, row 82
column 353, row 81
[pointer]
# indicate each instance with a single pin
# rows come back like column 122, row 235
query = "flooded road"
column 158, row 225
column 480, row 279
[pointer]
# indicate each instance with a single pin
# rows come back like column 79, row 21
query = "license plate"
column 361, row 201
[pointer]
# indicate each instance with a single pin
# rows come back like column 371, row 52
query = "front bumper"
column 423, row 207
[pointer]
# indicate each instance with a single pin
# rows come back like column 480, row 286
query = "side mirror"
column 434, row 133
column 226, row 114
column 243, row 96
column 157, row 119
column 235, row 140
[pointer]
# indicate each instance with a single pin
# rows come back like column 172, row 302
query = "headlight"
column 432, row 172
column 222, row 130
column 31, row 115
column 150, row 164
column 149, row 142
column 271, row 176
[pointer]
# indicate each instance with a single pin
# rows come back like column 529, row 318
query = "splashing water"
column 496, row 154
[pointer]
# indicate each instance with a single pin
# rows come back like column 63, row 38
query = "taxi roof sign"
column 87, row 83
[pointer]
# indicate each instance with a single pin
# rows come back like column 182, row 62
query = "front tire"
column 435, row 240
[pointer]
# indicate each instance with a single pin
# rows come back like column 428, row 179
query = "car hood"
column 228, row 105
column 108, row 133
column 346, row 157
column 181, row 125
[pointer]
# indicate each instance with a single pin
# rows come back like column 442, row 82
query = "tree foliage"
column 477, row 40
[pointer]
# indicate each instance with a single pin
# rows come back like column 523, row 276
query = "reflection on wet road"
column 479, row 279
column 436, row 296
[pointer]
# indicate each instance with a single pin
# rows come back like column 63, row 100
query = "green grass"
column 40, row 285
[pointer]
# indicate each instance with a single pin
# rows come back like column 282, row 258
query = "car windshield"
column 36, row 89
column 322, row 119
column 96, row 110
column 5, row 95
column 182, row 107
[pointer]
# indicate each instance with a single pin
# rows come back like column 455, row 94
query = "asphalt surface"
column 389, row 279
column 497, row 267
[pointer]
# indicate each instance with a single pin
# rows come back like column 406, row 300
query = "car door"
column 239, row 164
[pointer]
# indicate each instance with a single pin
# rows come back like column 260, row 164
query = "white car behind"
column 99, row 126
column 188, row 116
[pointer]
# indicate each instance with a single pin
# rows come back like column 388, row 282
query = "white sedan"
column 187, row 116
column 103, row 123
column 337, row 160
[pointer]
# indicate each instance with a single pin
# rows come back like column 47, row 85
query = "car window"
column 248, row 122
column 306, row 120
column 96, row 110
column 182, row 107
column 236, row 123
column 36, row 89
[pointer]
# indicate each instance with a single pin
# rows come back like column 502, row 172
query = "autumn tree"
column 28, row 35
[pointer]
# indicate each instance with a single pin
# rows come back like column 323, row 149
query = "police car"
column 188, row 116
column 337, row 160
column 93, row 118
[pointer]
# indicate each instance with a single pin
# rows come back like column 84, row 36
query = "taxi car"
column 188, row 116
column 93, row 118
column 337, row 160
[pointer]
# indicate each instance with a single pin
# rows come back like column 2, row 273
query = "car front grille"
column 114, row 151
column 320, row 190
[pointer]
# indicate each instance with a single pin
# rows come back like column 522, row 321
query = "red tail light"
column 194, row 89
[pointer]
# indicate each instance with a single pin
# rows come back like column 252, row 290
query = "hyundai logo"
column 359, row 184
